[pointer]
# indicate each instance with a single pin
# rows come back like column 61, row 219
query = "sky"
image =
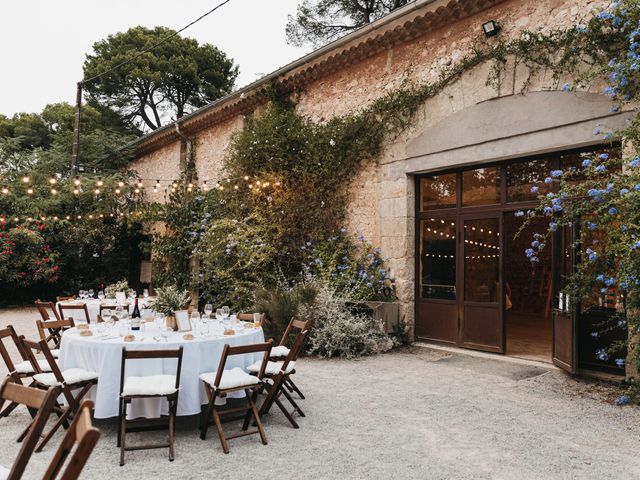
column 43, row 42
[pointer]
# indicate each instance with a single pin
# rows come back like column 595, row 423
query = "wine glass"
column 195, row 319
column 208, row 310
column 145, row 293
column 81, row 294
column 119, row 312
column 101, row 295
column 90, row 293
column 218, row 314
column 159, row 319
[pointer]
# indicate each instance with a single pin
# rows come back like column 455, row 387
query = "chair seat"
column 26, row 367
column 71, row 376
column 150, row 385
column 279, row 351
column 272, row 368
column 4, row 473
column 55, row 352
column 236, row 377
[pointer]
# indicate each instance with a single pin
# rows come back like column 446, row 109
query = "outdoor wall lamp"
column 490, row 28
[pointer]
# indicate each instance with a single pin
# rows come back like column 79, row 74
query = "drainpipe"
column 187, row 142
column 194, row 262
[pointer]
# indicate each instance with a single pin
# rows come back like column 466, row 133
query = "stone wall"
column 382, row 204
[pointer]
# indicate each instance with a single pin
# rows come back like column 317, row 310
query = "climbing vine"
column 293, row 221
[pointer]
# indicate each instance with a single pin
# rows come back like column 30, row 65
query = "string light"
column 99, row 183
column 53, row 191
column 5, row 190
column 52, row 180
column 29, row 190
column 76, row 191
column 25, row 179
column 77, row 181
column 97, row 191
column 121, row 184
column 117, row 191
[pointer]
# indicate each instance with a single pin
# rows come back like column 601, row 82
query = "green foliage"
column 171, row 80
column 321, row 21
column 169, row 299
column 120, row 286
column 25, row 258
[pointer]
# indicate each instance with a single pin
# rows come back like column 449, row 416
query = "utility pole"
column 76, row 132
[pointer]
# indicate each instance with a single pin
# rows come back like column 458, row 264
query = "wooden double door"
column 463, row 289
column 460, row 295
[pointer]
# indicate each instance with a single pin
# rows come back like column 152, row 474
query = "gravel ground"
column 416, row 413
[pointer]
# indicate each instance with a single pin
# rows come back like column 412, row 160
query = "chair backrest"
column 146, row 354
column 74, row 306
column 248, row 317
column 83, row 436
column 64, row 298
column 295, row 350
column 295, row 326
column 6, row 334
column 51, row 330
column 41, row 400
column 104, row 306
column 31, row 348
column 44, row 308
column 230, row 351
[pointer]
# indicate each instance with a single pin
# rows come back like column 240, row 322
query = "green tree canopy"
column 320, row 21
column 172, row 80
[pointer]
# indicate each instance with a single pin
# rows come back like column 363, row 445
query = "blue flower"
column 637, row 188
column 595, row 334
column 594, row 192
column 519, row 213
column 553, row 226
column 596, row 131
column 601, row 169
column 624, row 191
column 615, row 109
column 600, row 278
column 535, row 189
column 613, row 211
column 534, row 259
column 601, row 354
column 609, row 281
column 529, row 252
column 604, row 156
column 591, row 255
column 535, row 244
column 636, row 245
column 547, row 210
column 581, row 28
column 622, row 323
column 608, row 136
column 635, row 162
column 556, row 173
column 609, row 91
column 586, row 163
column 548, row 180
column 622, row 400
column 592, row 226
column 566, row 87
column 619, row 362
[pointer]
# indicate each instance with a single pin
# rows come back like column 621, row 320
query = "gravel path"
column 416, row 413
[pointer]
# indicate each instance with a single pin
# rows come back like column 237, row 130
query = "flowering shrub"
column 601, row 196
column 111, row 289
column 25, row 258
column 338, row 330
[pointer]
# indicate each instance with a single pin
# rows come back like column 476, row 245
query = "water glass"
column 145, row 293
column 159, row 318
column 90, row 293
column 225, row 312
column 101, row 295
column 100, row 327
column 218, row 313
column 208, row 310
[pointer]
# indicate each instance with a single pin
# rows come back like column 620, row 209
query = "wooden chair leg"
column 294, row 388
column 123, row 434
column 293, row 403
column 10, row 408
column 256, row 416
column 171, row 432
column 286, row 413
column 209, row 414
column 223, row 440
column 55, row 428
column 120, row 410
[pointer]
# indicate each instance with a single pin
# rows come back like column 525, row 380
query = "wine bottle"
column 135, row 316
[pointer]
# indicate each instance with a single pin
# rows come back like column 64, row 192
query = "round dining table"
column 102, row 353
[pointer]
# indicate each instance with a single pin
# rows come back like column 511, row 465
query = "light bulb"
column 52, row 180
column 97, row 191
column 5, row 190
column 53, row 191
column 25, row 179
column 246, row 177
column 121, row 184
column 117, row 190
column 137, row 190
column 30, row 191
column 76, row 191
column 99, row 182
column 77, row 181
column 139, row 184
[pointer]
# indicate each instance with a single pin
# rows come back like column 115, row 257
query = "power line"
column 148, row 49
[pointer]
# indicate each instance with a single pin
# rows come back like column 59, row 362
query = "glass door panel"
column 482, row 324
column 437, row 313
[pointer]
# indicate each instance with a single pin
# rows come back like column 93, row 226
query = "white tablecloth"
column 199, row 356
column 93, row 307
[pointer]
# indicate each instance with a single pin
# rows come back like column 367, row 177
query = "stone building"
column 460, row 171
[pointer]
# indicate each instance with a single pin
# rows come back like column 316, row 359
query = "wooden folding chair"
column 83, row 436
column 17, row 371
column 51, row 332
column 278, row 373
column 69, row 380
column 248, row 317
column 41, row 401
column 65, row 298
column 74, row 306
column 222, row 382
column 45, row 307
column 151, row 386
column 281, row 351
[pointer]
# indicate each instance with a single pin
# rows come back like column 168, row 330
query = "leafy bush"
column 338, row 330
column 25, row 258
